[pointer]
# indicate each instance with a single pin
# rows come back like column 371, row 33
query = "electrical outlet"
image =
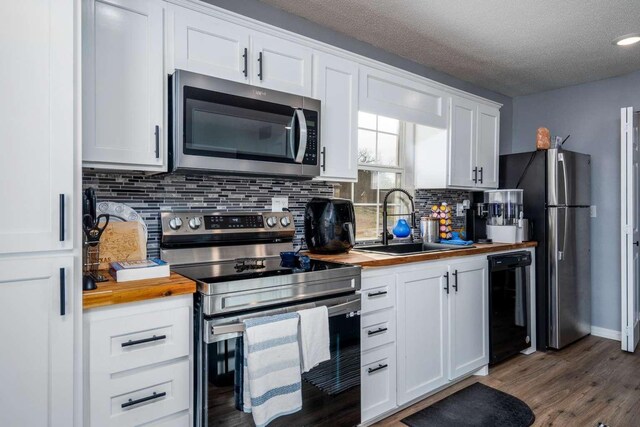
column 279, row 203
column 594, row 214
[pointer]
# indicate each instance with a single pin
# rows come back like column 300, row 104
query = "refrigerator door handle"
column 564, row 177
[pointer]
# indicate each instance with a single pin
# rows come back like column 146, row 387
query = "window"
column 381, row 143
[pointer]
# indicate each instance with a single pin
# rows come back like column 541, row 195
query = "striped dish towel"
column 272, row 382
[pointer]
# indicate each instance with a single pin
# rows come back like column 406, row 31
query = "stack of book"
column 125, row 271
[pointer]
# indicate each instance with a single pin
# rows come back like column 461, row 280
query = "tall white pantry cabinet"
column 39, row 178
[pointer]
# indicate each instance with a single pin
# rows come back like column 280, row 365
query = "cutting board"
column 122, row 241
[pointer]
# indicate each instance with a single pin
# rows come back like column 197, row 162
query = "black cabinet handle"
column 260, row 65
column 446, row 276
column 377, row 331
column 323, row 165
column 481, row 175
column 61, row 217
column 376, row 294
column 475, row 175
column 157, row 132
column 636, row 243
column 63, row 292
column 455, row 281
column 143, row 399
column 377, row 368
column 144, row 340
column 245, row 58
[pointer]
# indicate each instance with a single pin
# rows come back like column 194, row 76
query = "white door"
column 207, row 45
column 36, row 125
column 280, row 65
column 468, row 317
column 335, row 83
column 463, row 171
column 422, row 332
column 36, row 361
column 124, row 84
column 630, row 222
column 487, row 146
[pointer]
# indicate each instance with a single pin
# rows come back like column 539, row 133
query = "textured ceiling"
column 514, row 47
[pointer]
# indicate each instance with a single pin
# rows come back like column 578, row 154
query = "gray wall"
column 591, row 114
column 279, row 18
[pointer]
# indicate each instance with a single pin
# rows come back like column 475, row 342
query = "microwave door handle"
column 302, row 141
column 291, row 133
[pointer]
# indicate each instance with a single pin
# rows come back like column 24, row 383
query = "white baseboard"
column 606, row 333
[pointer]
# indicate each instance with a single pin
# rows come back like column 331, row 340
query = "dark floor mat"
column 475, row 406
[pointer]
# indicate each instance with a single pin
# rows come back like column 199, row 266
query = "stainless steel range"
column 235, row 259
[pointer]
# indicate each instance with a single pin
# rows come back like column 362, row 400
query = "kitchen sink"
column 409, row 248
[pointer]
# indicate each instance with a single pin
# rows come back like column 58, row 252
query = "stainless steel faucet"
column 385, row 214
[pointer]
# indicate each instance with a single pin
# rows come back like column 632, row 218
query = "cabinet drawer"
column 140, row 397
column 378, row 298
column 128, row 342
column 378, row 328
column 378, row 379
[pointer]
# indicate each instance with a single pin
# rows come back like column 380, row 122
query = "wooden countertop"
column 112, row 292
column 368, row 259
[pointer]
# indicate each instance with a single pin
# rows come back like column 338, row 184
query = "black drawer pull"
column 379, row 367
column 157, row 135
column 376, row 294
column 446, row 276
column 61, row 226
column 455, row 282
column 245, row 56
column 377, row 331
column 144, row 399
column 260, row 65
column 63, row 292
column 144, row 340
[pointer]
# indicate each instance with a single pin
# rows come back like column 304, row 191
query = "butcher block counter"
column 112, row 292
column 369, row 259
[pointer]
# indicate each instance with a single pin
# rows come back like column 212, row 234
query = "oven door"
column 330, row 391
column 223, row 126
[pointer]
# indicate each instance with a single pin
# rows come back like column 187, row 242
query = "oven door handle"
column 350, row 308
column 302, row 140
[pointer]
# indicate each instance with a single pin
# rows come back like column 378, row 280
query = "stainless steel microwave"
column 220, row 126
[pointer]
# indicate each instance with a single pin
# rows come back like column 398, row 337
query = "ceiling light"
column 627, row 40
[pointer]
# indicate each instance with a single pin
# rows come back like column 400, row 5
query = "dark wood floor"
column 590, row 381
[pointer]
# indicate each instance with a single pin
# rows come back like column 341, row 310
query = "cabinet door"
column 463, row 142
column 36, row 363
column 468, row 317
column 280, row 65
column 36, row 124
column 421, row 332
column 487, row 146
column 207, row 45
column 123, row 85
column 336, row 85
column 378, row 378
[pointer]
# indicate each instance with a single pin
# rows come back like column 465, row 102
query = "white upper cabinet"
column 208, row 45
column 36, row 126
column 280, row 65
column 123, row 85
column 462, row 171
column 36, row 361
column 336, row 86
column 422, row 332
column 468, row 317
column 398, row 97
column 487, row 146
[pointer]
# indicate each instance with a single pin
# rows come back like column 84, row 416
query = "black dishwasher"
column 509, row 296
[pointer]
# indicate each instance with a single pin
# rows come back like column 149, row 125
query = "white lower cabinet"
column 424, row 326
column 139, row 364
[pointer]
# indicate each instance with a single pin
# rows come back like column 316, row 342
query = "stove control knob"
column 175, row 223
column 195, row 223
column 285, row 221
column 272, row 221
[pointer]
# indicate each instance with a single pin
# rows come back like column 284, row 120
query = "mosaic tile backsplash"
column 148, row 195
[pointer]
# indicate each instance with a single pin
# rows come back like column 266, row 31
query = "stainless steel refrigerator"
column 557, row 199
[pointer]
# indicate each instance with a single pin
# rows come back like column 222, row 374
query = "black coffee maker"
column 476, row 219
column 329, row 225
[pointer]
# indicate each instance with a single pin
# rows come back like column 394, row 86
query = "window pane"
column 387, row 181
column 366, row 224
column 387, row 149
column 342, row 190
column 366, row 120
column 366, row 187
column 366, row 146
column 386, row 124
